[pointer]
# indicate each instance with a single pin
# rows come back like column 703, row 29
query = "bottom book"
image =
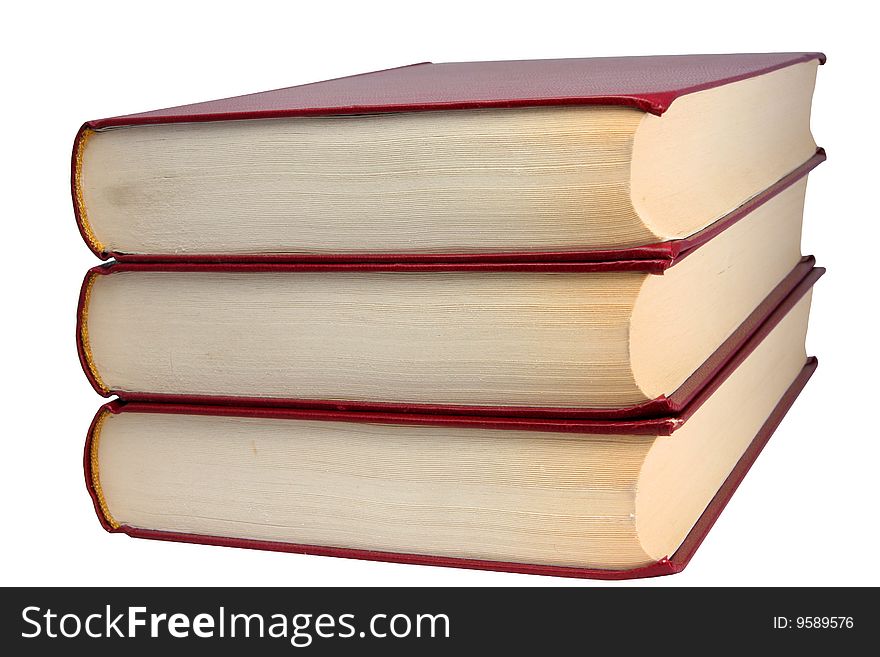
column 578, row 498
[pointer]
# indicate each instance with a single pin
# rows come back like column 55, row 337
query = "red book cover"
column 650, row 84
column 727, row 356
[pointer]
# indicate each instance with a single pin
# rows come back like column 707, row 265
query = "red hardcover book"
column 766, row 315
column 739, row 375
column 648, row 84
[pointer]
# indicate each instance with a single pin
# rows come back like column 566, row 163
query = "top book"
column 520, row 159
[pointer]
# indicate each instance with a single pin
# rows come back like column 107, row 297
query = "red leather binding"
column 726, row 357
column 650, row 84
column 675, row 563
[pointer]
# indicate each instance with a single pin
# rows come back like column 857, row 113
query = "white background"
column 806, row 514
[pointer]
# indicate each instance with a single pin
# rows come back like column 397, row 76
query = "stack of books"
column 536, row 316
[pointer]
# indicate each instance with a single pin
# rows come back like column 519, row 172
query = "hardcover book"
column 586, row 159
column 568, row 497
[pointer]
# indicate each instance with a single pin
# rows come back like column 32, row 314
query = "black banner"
column 434, row 621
